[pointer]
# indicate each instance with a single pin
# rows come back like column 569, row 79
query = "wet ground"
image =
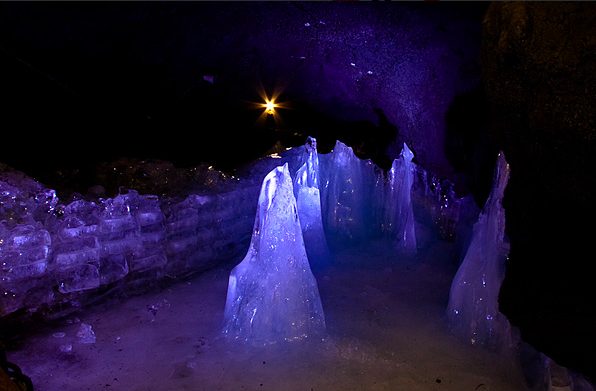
column 385, row 319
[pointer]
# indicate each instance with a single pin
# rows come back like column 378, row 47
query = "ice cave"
column 297, row 196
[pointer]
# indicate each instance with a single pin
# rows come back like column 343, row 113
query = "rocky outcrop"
column 538, row 63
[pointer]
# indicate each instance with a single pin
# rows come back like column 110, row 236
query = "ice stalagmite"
column 272, row 294
column 400, row 214
column 308, row 200
column 473, row 309
column 345, row 210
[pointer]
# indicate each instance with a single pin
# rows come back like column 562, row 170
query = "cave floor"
column 385, row 318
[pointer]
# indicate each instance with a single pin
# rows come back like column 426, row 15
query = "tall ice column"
column 308, row 200
column 473, row 309
column 399, row 202
column 272, row 294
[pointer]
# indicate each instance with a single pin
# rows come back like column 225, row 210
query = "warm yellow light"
column 270, row 106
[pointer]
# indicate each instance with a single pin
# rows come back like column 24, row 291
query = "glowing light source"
column 270, row 106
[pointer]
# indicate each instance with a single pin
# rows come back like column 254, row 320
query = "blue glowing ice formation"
column 473, row 309
column 400, row 214
column 344, row 203
column 308, row 200
column 23, row 253
column 272, row 294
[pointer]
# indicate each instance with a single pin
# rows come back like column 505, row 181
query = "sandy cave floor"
column 385, row 319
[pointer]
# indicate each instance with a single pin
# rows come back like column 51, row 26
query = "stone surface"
column 539, row 71
column 334, row 63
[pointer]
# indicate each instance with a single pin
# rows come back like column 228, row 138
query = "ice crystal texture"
column 473, row 309
column 272, row 294
column 308, row 201
column 400, row 215
column 349, row 183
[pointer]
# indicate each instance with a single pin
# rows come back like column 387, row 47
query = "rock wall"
column 176, row 69
column 539, row 69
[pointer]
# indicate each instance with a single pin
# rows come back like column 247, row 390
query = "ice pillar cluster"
column 400, row 214
column 52, row 251
column 348, row 185
column 343, row 211
column 308, row 200
column 473, row 309
column 272, row 294
column 360, row 201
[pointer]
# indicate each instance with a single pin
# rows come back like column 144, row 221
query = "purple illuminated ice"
column 473, row 309
column 308, row 200
column 272, row 294
column 345, row 195
column 400, row 214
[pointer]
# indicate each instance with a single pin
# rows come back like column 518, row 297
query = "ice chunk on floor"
column 272, row 294
column 473, row 309
column 86, row 334
column 400, row 213
column 308, row 201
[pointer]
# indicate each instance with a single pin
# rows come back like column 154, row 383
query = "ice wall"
column 25, row 244
column 308, row 201
column 59, row 255
column 272, row 294
column 400, row 213
column 473, row 309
